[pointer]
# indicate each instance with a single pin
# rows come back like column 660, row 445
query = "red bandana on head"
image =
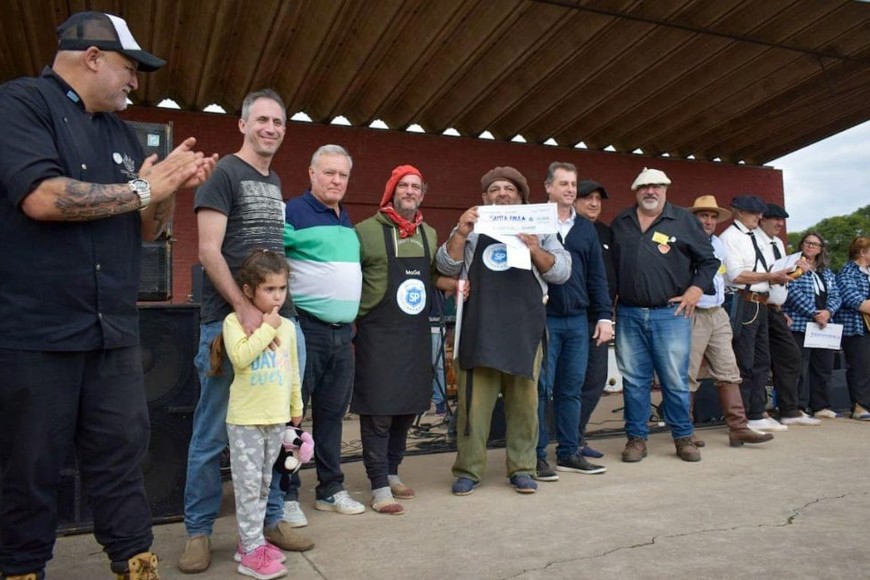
column 406, row 228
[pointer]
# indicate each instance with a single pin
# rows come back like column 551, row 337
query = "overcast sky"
column 827, row 179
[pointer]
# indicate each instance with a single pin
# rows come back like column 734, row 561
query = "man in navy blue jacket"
column 585, row 291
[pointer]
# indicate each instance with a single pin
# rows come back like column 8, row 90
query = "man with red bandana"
column 397, row 255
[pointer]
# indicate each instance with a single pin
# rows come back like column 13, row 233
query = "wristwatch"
column 143, row 189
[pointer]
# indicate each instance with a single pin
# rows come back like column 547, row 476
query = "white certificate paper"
column 827, row 337
column 787, row 263
column 510, row 220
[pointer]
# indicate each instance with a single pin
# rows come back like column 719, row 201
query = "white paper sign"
column 533, row 218
column 787, row 263
column 827, row 337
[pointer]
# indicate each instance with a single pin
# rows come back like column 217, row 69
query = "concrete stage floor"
column 797, row 507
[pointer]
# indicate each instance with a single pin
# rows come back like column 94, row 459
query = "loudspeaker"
column 155, row 283
column 169, row 340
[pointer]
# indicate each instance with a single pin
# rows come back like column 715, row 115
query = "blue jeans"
column 561, row 381
column 203, row 488
column 329, row 383
column 653, row 340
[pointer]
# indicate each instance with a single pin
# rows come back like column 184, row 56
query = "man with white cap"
column 77, row 197
column 712, row 354
column 503, row 328
column 664, row 264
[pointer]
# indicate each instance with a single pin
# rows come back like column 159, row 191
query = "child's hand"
column 273, row 319
column 296, row 421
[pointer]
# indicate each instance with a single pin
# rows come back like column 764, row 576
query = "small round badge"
column 117, row 158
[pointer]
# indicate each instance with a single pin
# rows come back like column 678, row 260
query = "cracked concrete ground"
column 798, row 507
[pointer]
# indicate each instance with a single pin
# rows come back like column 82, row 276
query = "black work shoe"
column 579, row 464
column 543, row 471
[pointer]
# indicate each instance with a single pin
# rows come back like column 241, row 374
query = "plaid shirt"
column 854, row 288
column 801, row 302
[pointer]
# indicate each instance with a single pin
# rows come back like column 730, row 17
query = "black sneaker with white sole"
column 543, row 471
column 579, row 464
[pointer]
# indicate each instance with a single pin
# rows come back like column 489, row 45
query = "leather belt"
column 756, row 297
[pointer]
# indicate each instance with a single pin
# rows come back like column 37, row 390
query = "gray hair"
column 551, row 170
column 250, row 98
column 330, row 150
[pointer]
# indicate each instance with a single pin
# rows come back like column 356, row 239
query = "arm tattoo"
column 81, row 201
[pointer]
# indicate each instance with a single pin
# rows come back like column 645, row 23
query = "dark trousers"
column 753, row 358
column 48, row 402
column 785, row 362
column 328, row 382
column 857, row 350
column 814, row 384
column 595, row 381
column 384, row 438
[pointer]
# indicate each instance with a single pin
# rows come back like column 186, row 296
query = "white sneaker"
column 766, row 424
column 802, row 419
column 825, row 414
column 341, row 503
column 294, row 515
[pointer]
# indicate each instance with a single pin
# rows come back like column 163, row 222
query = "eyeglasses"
column 813, row 244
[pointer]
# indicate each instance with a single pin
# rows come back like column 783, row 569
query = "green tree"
column 838, row 232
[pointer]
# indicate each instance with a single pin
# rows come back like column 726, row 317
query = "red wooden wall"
column 451, row 165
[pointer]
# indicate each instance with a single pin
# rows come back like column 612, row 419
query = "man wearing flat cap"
column 77, row 197
column 500, row 342
column 712, row 353
column 590, row 194
column 786, row 362
column 664, row 263
column 397, row 255
column 748, row 278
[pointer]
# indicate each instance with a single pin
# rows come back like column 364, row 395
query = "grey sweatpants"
column 253, row 451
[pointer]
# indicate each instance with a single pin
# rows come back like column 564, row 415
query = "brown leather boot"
column 735, row 417
column 695, row 440
column 686, row 450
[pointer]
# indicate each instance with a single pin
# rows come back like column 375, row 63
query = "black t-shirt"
column 662, row 262
column 254, row 208
column 64, row 286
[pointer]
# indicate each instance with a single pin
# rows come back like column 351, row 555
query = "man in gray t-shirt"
column 238, row 210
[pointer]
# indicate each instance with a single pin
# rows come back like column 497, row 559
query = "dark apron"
column 393, row 374
column 505, row 318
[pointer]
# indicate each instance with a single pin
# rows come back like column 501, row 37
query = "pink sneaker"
column 258, row 564
column 272, row 550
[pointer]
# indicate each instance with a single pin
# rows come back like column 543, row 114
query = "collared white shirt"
column 566, row 225
column 713, row 300
column 740, row 256
column 778, row 292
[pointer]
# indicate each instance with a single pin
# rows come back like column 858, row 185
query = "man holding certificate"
column 503, row 324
